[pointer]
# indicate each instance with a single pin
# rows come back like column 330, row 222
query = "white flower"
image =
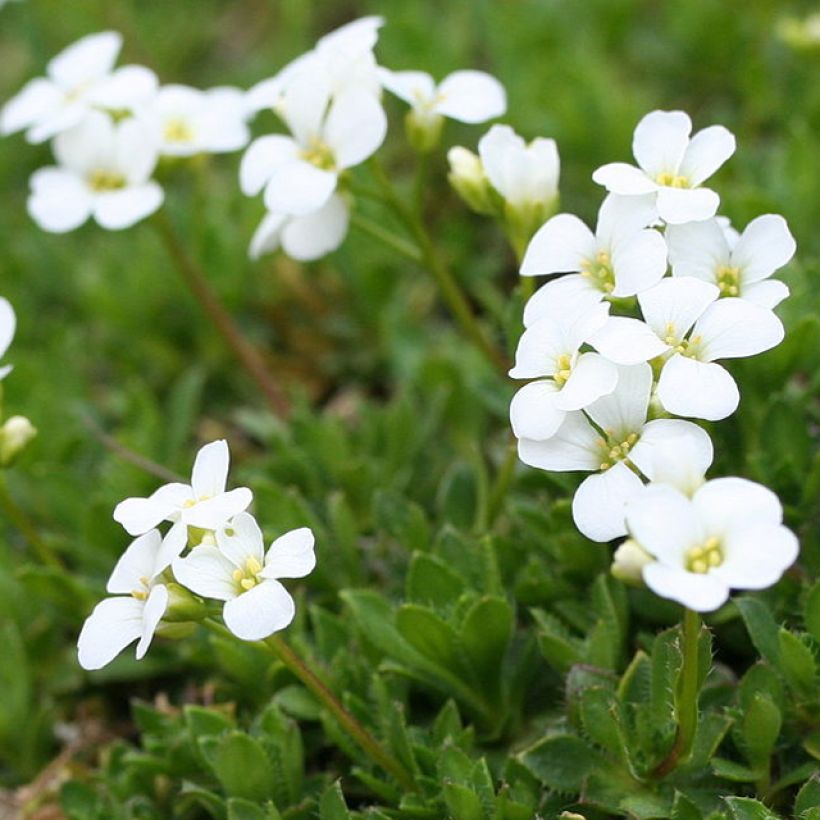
column 551, row 348
column 466, row 96
column 691, row 329
column 300, row 173
column 15, row 434
column 239, row 571
column 104, row 172
column 728, row 535
column 623, row 257
column 741, row 268
column 8, row 324
column 203, row 503
column 116, row 622
column 628, row 562
column 672, row 165
column 526, row 175
column 303, row 237
column 469, row 180
column 187, row 121
column 613, row 439
column 78, row 79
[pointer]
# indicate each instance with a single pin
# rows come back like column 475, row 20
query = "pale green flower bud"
column 629, row 561
column 15, row 434
column 469, row 180
column 423, row 129
column 183, row 606
column 800, row 34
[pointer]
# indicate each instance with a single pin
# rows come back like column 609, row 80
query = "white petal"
column 209, row 475
column 707, row 151
column 152, row 613
column 213, row 513
column 502, row 151
column 60, row 201
column 89, row 145
column 304, row 104
column 702, row 390
column 240, row 539
column 356, row 126
column 267, row 235
column 638, row 262
column 624, row 410
column 471, row 96
column 114, row 623
column 755, row 557
column 116, row 210
column 627, row 180
column 265, row 94
column 263, row 157
column 663, row 522
column 90, row 58
column 37, row 99
column 733, row 328
column 663, row 441
column 702, row 592
column 627, row 341
column 173, row 544
column 138, row 515
column 674, row 305
column 599, row 504
column 299, row 188
column 660, row 141
column 592, row 376
column 571, row 296
column 573, row 447
column 767, row 294
column 563, row 244
column 139, row 561
column 314, row 235
column 353, row 37
column 698, row 249
column 136, row 150
column 538, row 348
column 724, row 504
column 207, row 572
column 8, row 324
column 678, row 205
column 414, row 87
column 127, row 87
column 533, row 412
column 620, row 216
column 291, row 555
column 259, row 612
column 765, row 246
column 68, row 115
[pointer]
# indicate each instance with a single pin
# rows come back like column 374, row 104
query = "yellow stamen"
column 247, row 583
column 671, row 180
column 177, row 130
column 102, row 179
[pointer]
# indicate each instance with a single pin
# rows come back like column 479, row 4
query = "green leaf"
column 239, row 809
column 744, row 808
column 605, row 641
column 761, row 627
column 736, row 772
column 431, row 581
column 430, row 635
column 561, row 649
column 242, row 767
column 601, row 720
column 402, row 518
column 462, row 802
column 808, row 797
column 811, row 611
column 202, row 721
column 760, row 728
column 485, row 634
column 332, row 806
column 797, row 664
column 561, row 762
column 684, row 809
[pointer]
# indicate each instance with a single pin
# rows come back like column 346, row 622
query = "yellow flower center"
column 703, row 558
column 728, row 280
column 671, row 180
column 612, row 451
column 246, row 578
column 177, row 130
column 599, row 271
column 141, row 594
column 102, row 179
column 563, row 369
column 319, row 153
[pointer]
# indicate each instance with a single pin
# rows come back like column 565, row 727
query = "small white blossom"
column 8, row 324
column 15, row 434
column 203, row 503
column 729, row 535
column 136, row 611
column 80, row 78
column 741, row 268
column 468, row 178
column 303, row 237
column 239, row 572
column 672, row 165
column 104, row 172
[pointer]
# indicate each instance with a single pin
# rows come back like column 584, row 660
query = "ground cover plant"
column 409, row 411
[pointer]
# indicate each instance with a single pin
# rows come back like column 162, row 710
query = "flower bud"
column 629, row 561
column 469, row 180
column 423, row 130
column 183, row 606
column 15, row 434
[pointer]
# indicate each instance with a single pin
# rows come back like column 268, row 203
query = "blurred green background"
column 109, row 339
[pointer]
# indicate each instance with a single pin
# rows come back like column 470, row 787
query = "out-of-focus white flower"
column 741, row 269
column 78, row 79
column 303, row 237
column 203, row 503
column 628, row 562
column 187, row 121
column 729, row 535
column 136, row 611
column 690, row 329
column 622, row 258
column 612, row 439
column 15, row 434
column 672, row 165
column 239, row 572
column 8, row 324
column 300, row 173
column 104, row 172
column 469, row 180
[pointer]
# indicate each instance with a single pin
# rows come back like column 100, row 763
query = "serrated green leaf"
column 684, row 809
column 332, row 806
column 797, row 664
column 431, row 581
column 239, row 809
column 745, row 808
column 600, row 720
column 485, row 634
column 561, row 649
column 203, row 721
column 462, row 801
column 808, row 797
column 242, row 767
column 561, row 762
column 736, row 772
column 761, row 627
column 429, row 634
column 760, row 728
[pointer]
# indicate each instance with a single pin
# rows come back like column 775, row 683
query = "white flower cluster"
column 110, row 126
column 225, row 561
column 615, row 347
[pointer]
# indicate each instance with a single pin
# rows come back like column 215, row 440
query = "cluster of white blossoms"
column 631, row 334
column 109, row 128
column 213, row 549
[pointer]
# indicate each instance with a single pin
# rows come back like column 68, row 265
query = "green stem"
column 687, row 696
column 27, row 529
column 193, row 276
column 375, row 230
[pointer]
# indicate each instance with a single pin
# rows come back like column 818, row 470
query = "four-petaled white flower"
column 239, row 572
column 729, row 535
column 613, row 439
column 136, row 611
column 623, row 257
column 672, row 165
column 303, row 237
column 687, row 329
column 8, row 324
column 203, row 503
column 104, row 172
column 186, row 121
column 466, row 96
column 741, row 267
column 80, row 78
column 300, row 173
